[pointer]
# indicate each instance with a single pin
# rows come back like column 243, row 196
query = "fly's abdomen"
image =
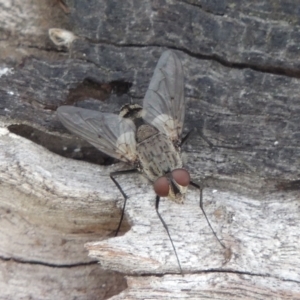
column 158, row 156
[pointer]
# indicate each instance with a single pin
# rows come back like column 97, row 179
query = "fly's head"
column 173, row 185
column 131, row 111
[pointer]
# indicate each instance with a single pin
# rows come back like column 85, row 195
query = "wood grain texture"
column 241, row 65
column 209, row 286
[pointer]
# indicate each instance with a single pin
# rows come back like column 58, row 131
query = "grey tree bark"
column 242, row 88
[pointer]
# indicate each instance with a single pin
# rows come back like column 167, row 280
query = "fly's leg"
column 187, row 136
column 167, row 230
column 201, row 206
column 198, row 186
column 116, row 173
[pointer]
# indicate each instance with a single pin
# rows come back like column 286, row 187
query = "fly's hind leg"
column 112, row 176
column 188, row 135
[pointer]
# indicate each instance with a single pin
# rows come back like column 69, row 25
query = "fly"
column 148, row 138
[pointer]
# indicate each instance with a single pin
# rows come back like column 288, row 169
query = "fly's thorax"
column 158, row 156
column 144, row 132
column 170, row 126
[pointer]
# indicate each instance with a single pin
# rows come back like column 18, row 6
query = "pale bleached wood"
column 209, row 286
column 262, row 235
column 49, row 209
column 26, row 280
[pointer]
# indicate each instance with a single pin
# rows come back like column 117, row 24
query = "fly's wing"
column 110, row 133
column 164, row 104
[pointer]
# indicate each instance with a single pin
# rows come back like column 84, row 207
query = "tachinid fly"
column 148, row 138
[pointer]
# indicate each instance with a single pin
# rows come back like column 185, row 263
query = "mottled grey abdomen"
column 158, row 156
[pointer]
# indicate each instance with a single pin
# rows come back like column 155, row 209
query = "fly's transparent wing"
column 110, row 133
column 164, row 104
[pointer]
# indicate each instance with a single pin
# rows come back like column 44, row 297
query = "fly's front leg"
column 116, row 173
column 167, row 230
column 201, row 206
column 200, row 188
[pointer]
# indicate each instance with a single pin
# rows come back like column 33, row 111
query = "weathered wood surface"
column 241, row 65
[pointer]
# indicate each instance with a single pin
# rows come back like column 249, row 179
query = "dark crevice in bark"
column 269, row 69
column 263, row 69
column 217, row 271
column 67, row 147
column 51, row 265
column 217, row 10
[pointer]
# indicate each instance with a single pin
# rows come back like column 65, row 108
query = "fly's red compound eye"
column 181, row 176
column 161, row 187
